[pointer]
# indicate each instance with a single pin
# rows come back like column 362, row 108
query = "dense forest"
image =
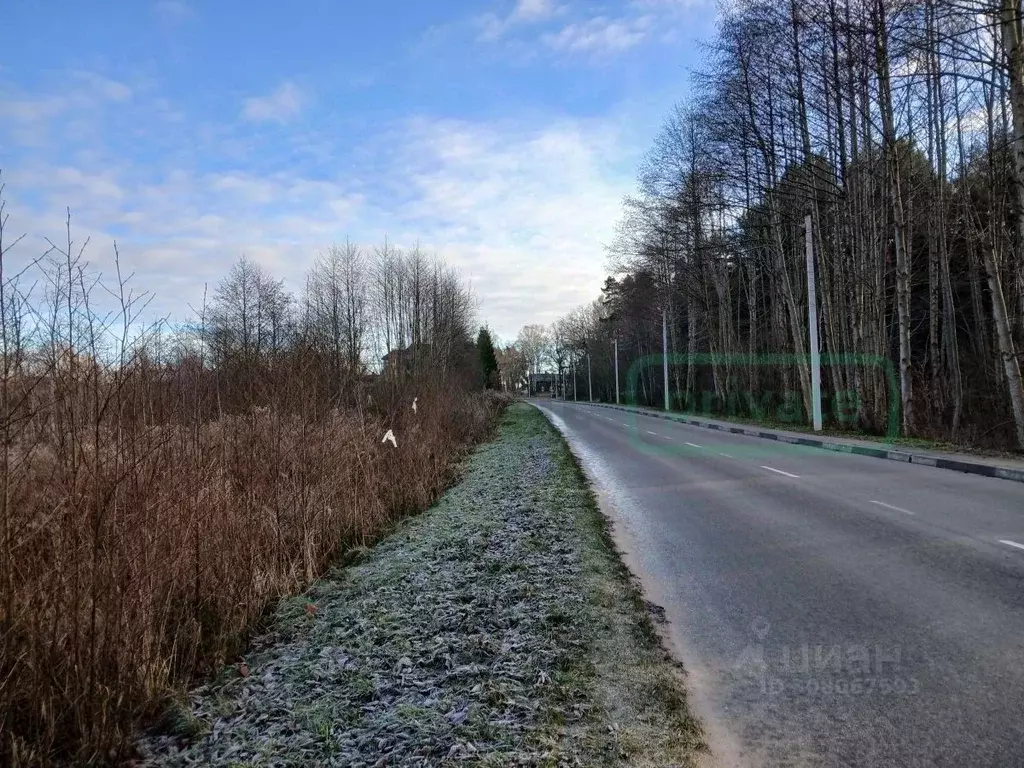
column 898, row 127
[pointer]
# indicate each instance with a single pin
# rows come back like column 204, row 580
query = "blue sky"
column 501, row 134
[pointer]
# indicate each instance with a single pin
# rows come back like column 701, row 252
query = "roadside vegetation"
column 162, row 485
column 498, row 628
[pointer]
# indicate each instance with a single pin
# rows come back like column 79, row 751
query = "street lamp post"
column 812, row 320
column 616, row 343
column 664, row 354
column 590, row 380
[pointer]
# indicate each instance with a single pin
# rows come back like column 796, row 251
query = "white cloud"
column 73, row 107
column 280, row 106
column 668, row 5
column 103, row 88
column 33, row 110
column 595, row 36
column 89, row 92
column 492, row 26
column 601, row 35
column 534, row 10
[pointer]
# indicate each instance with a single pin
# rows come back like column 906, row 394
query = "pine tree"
column 488, row 359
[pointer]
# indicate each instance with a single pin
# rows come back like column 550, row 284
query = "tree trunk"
column 1010, row 19
column 899, row 225
column 1007, row 353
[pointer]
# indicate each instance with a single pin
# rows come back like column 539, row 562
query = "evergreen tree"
column 488, row 359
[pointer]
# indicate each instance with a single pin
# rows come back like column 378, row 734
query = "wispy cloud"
column 280, row 106
column 89, row 91
column 667, row 5
column 527, row 28
column 33, row 110
column 493, row 26
column 102, row 87
column 601, row 35
column 534, row 10
column 78, row 99
column 591, row 36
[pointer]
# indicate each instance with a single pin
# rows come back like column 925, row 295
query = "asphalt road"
column 830, row 609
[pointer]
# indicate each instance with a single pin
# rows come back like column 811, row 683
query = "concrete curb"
column 957, row 465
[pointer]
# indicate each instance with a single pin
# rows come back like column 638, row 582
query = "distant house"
column 543, row 384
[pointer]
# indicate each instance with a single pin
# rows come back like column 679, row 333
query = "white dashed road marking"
column 693, row 445
column 890, row 506
column 779, row 471
column 1009, row 543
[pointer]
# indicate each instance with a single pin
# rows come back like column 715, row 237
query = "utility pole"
column 574, row 381
column 590, row 380
column 812, row 317
column 664, row 354
column 616, row 342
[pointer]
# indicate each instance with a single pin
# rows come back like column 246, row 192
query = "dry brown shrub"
column 141, row 555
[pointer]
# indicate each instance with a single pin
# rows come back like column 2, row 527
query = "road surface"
column 830, row 609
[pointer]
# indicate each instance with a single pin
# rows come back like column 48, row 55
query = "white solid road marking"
column 890, row 506
column 773, row 469
column 1009, row 543
column 693, row 445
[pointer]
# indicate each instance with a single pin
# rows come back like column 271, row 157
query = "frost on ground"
column 498, row 628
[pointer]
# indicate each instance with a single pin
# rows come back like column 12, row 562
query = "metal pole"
column 574, row 381
column 664, row 353
column 812, row 317
column 590, row 381
column 616, row 370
